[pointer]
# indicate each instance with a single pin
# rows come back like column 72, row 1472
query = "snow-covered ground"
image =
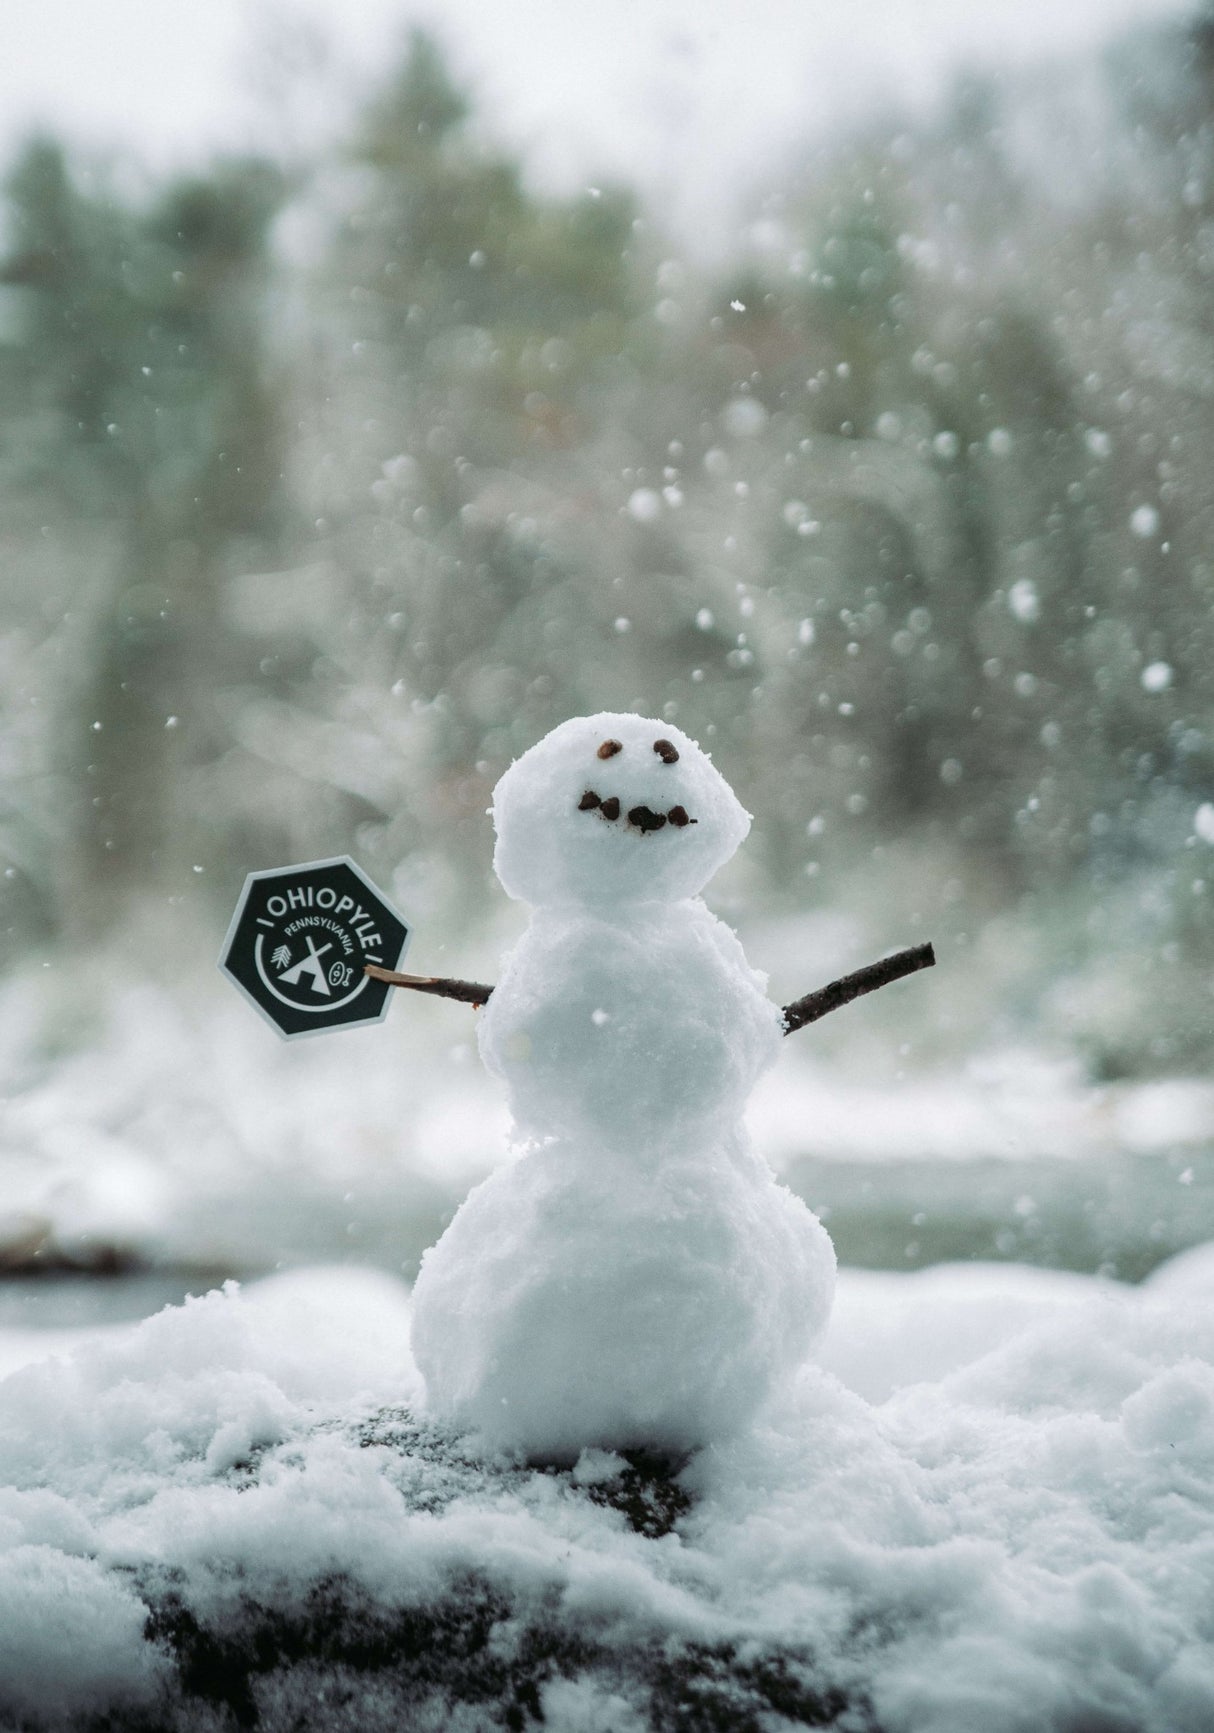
column 990, row 1506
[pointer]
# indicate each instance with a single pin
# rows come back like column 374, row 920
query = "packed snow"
column 990, row 1506
column 637, row 1277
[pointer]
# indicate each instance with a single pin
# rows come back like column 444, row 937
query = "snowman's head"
column 613, row 809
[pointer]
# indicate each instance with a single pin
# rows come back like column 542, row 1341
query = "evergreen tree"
column 145, row 412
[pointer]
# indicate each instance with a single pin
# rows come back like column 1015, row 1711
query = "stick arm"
column 472, row 993
column 849, row 987
column 796, row 1015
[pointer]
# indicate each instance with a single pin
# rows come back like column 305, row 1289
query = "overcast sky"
column 689, row 97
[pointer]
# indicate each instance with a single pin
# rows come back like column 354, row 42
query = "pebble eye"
column 665, row 750
column 609, row 748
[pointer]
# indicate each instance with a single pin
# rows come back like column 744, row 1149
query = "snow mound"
column 230, row 1515
column 576, row 1301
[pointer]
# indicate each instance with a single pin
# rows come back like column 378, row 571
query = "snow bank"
column 1003, row 1106
column 183, row 1133
column 230, row 1515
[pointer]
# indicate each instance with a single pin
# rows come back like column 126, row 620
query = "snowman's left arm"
column 796, row 1015
column 849, row 987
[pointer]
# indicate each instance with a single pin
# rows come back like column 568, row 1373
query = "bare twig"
column 470, row 992
column 842, row 992
column 796, row 1015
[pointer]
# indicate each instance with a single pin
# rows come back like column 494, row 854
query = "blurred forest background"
column 328, row 484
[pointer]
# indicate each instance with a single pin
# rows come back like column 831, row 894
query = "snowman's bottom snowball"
column 578, row 1301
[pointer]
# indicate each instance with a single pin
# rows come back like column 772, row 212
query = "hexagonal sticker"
column 298, row 942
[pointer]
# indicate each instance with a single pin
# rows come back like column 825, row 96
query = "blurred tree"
column 148, row 420
column 483, row 338
column 926, row 437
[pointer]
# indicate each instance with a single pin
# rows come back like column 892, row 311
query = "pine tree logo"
column 281, row 957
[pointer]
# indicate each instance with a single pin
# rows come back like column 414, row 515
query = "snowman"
column 636, row 1277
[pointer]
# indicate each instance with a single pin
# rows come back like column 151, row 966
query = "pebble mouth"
column 639, row 818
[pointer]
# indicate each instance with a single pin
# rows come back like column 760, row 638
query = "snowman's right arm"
column 469, row 992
